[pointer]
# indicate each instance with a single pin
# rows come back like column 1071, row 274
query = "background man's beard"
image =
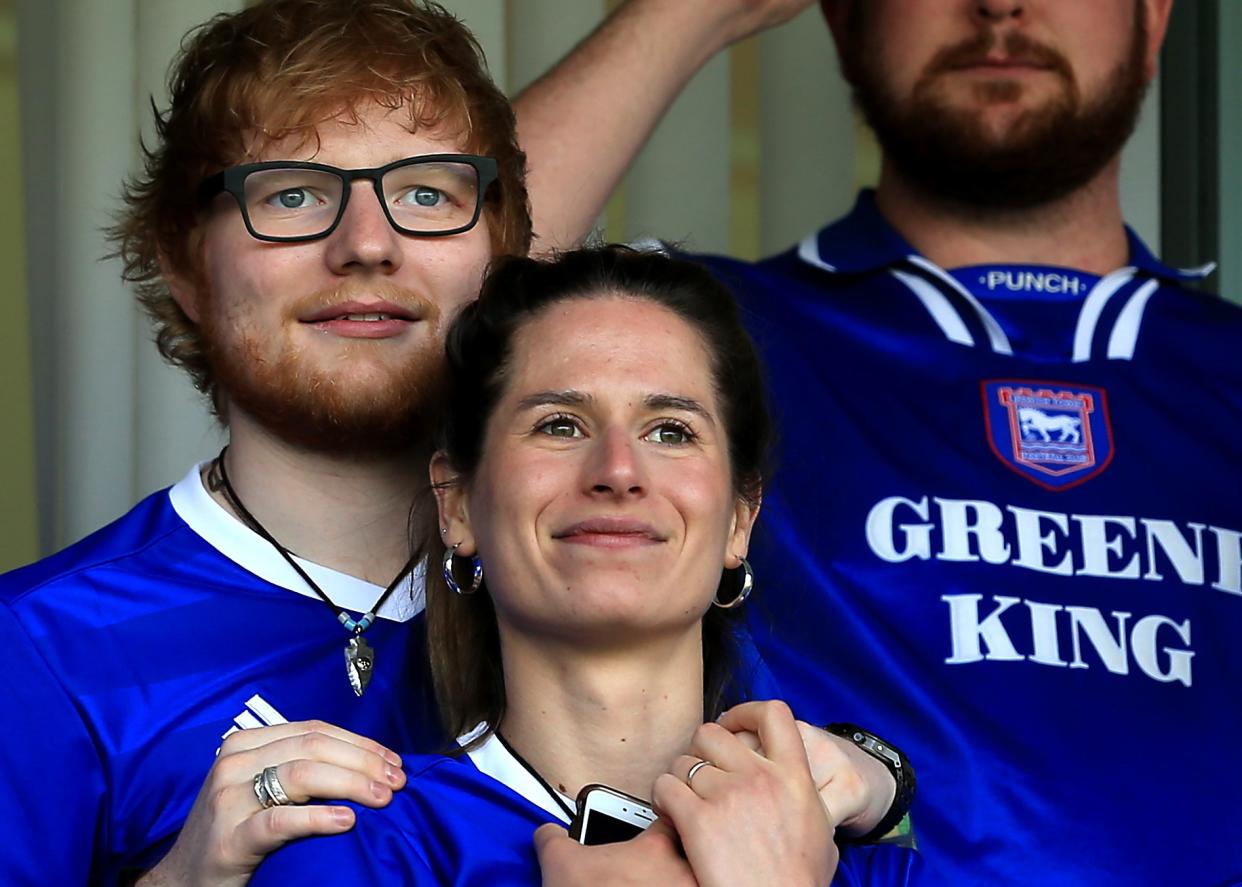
column 307, row 406
column 1047, row 153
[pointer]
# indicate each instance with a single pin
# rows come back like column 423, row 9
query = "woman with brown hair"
column 601, row 469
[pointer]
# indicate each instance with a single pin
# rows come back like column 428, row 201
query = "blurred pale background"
column 762, row 148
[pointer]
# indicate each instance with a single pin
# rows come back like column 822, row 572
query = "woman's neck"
column 619, row 717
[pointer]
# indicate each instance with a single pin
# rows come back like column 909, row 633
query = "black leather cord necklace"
column 359, row 655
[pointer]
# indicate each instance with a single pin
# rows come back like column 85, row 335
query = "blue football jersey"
column 1005, row 531
column 469, row 821
column 130, row 656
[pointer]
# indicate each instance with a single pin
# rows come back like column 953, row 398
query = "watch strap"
column 895, row 761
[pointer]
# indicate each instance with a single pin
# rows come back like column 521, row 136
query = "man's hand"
column 855, row 788
column 745, row 816
column 228, row 833
column 649, row 858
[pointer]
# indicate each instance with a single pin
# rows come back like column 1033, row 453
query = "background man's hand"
column 228, row 833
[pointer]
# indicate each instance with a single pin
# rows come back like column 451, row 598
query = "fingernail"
column 381, row 792
column 343, row 816
column 393, row 776
column 392, row 757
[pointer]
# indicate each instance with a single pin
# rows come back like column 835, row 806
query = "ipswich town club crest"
column 1052, row 433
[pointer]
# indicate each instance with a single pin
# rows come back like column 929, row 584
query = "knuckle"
column 708, row 730
column 230, row 770
column 314, row 744
column 219, row 801
column 278, row 823
column 297, row 774
column 778, row 709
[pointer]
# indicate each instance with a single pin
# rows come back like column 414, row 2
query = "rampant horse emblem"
column 1053, row 433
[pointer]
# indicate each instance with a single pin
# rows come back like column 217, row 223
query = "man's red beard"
column 948, row 152
column 305, row 402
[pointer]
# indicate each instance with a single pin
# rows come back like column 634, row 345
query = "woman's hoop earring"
column 475, row 580
column 748, row 585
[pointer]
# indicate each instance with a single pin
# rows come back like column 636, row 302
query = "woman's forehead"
column 617, row 339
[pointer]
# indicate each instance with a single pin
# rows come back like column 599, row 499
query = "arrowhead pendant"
column 359, row 663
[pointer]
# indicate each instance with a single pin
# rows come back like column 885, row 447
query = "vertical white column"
column 807, row 131
column 94, row 314
column 172, row 425
column 38, row 24
column 18, row 513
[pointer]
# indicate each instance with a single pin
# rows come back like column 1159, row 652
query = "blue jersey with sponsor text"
column 469, row 821
column 130, row 655
column 1005, row 530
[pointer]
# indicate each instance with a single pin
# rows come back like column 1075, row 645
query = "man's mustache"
column 1014, row 46
column 410, row 301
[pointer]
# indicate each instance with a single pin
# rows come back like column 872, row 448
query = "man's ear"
column 452, row 503
column 745, row 513
column 185, row 286
column 1158, row 12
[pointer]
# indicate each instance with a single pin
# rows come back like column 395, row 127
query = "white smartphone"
column 607, row 815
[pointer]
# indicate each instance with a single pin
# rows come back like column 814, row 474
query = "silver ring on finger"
column 271, row 782
column 695, row 769
column 261, row 793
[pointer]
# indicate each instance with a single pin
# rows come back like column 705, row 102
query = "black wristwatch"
column 896, row 763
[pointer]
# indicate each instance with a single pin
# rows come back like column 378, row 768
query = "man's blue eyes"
column 302, row 198
column 427, row 196
column 294, row 198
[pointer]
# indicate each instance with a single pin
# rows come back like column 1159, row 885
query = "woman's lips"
column 609, row 533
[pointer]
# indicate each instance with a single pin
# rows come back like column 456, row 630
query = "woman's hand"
column 228, row 832
column 652, row 857
column 749, row 816
column 856, row 789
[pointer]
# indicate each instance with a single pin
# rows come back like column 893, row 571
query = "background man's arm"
column 582, row 123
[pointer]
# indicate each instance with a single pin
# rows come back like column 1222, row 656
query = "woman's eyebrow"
column 567, row 398
column 574, row 398
column 676, row 402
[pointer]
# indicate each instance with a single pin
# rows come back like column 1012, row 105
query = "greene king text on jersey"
column 1094, row 545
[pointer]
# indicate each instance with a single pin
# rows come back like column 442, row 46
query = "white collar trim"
column 246, row 548
column 494, row 760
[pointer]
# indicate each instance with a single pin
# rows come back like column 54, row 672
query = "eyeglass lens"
column 421, row 198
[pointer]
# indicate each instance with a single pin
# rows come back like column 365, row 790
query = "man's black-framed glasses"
column 286, row 201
